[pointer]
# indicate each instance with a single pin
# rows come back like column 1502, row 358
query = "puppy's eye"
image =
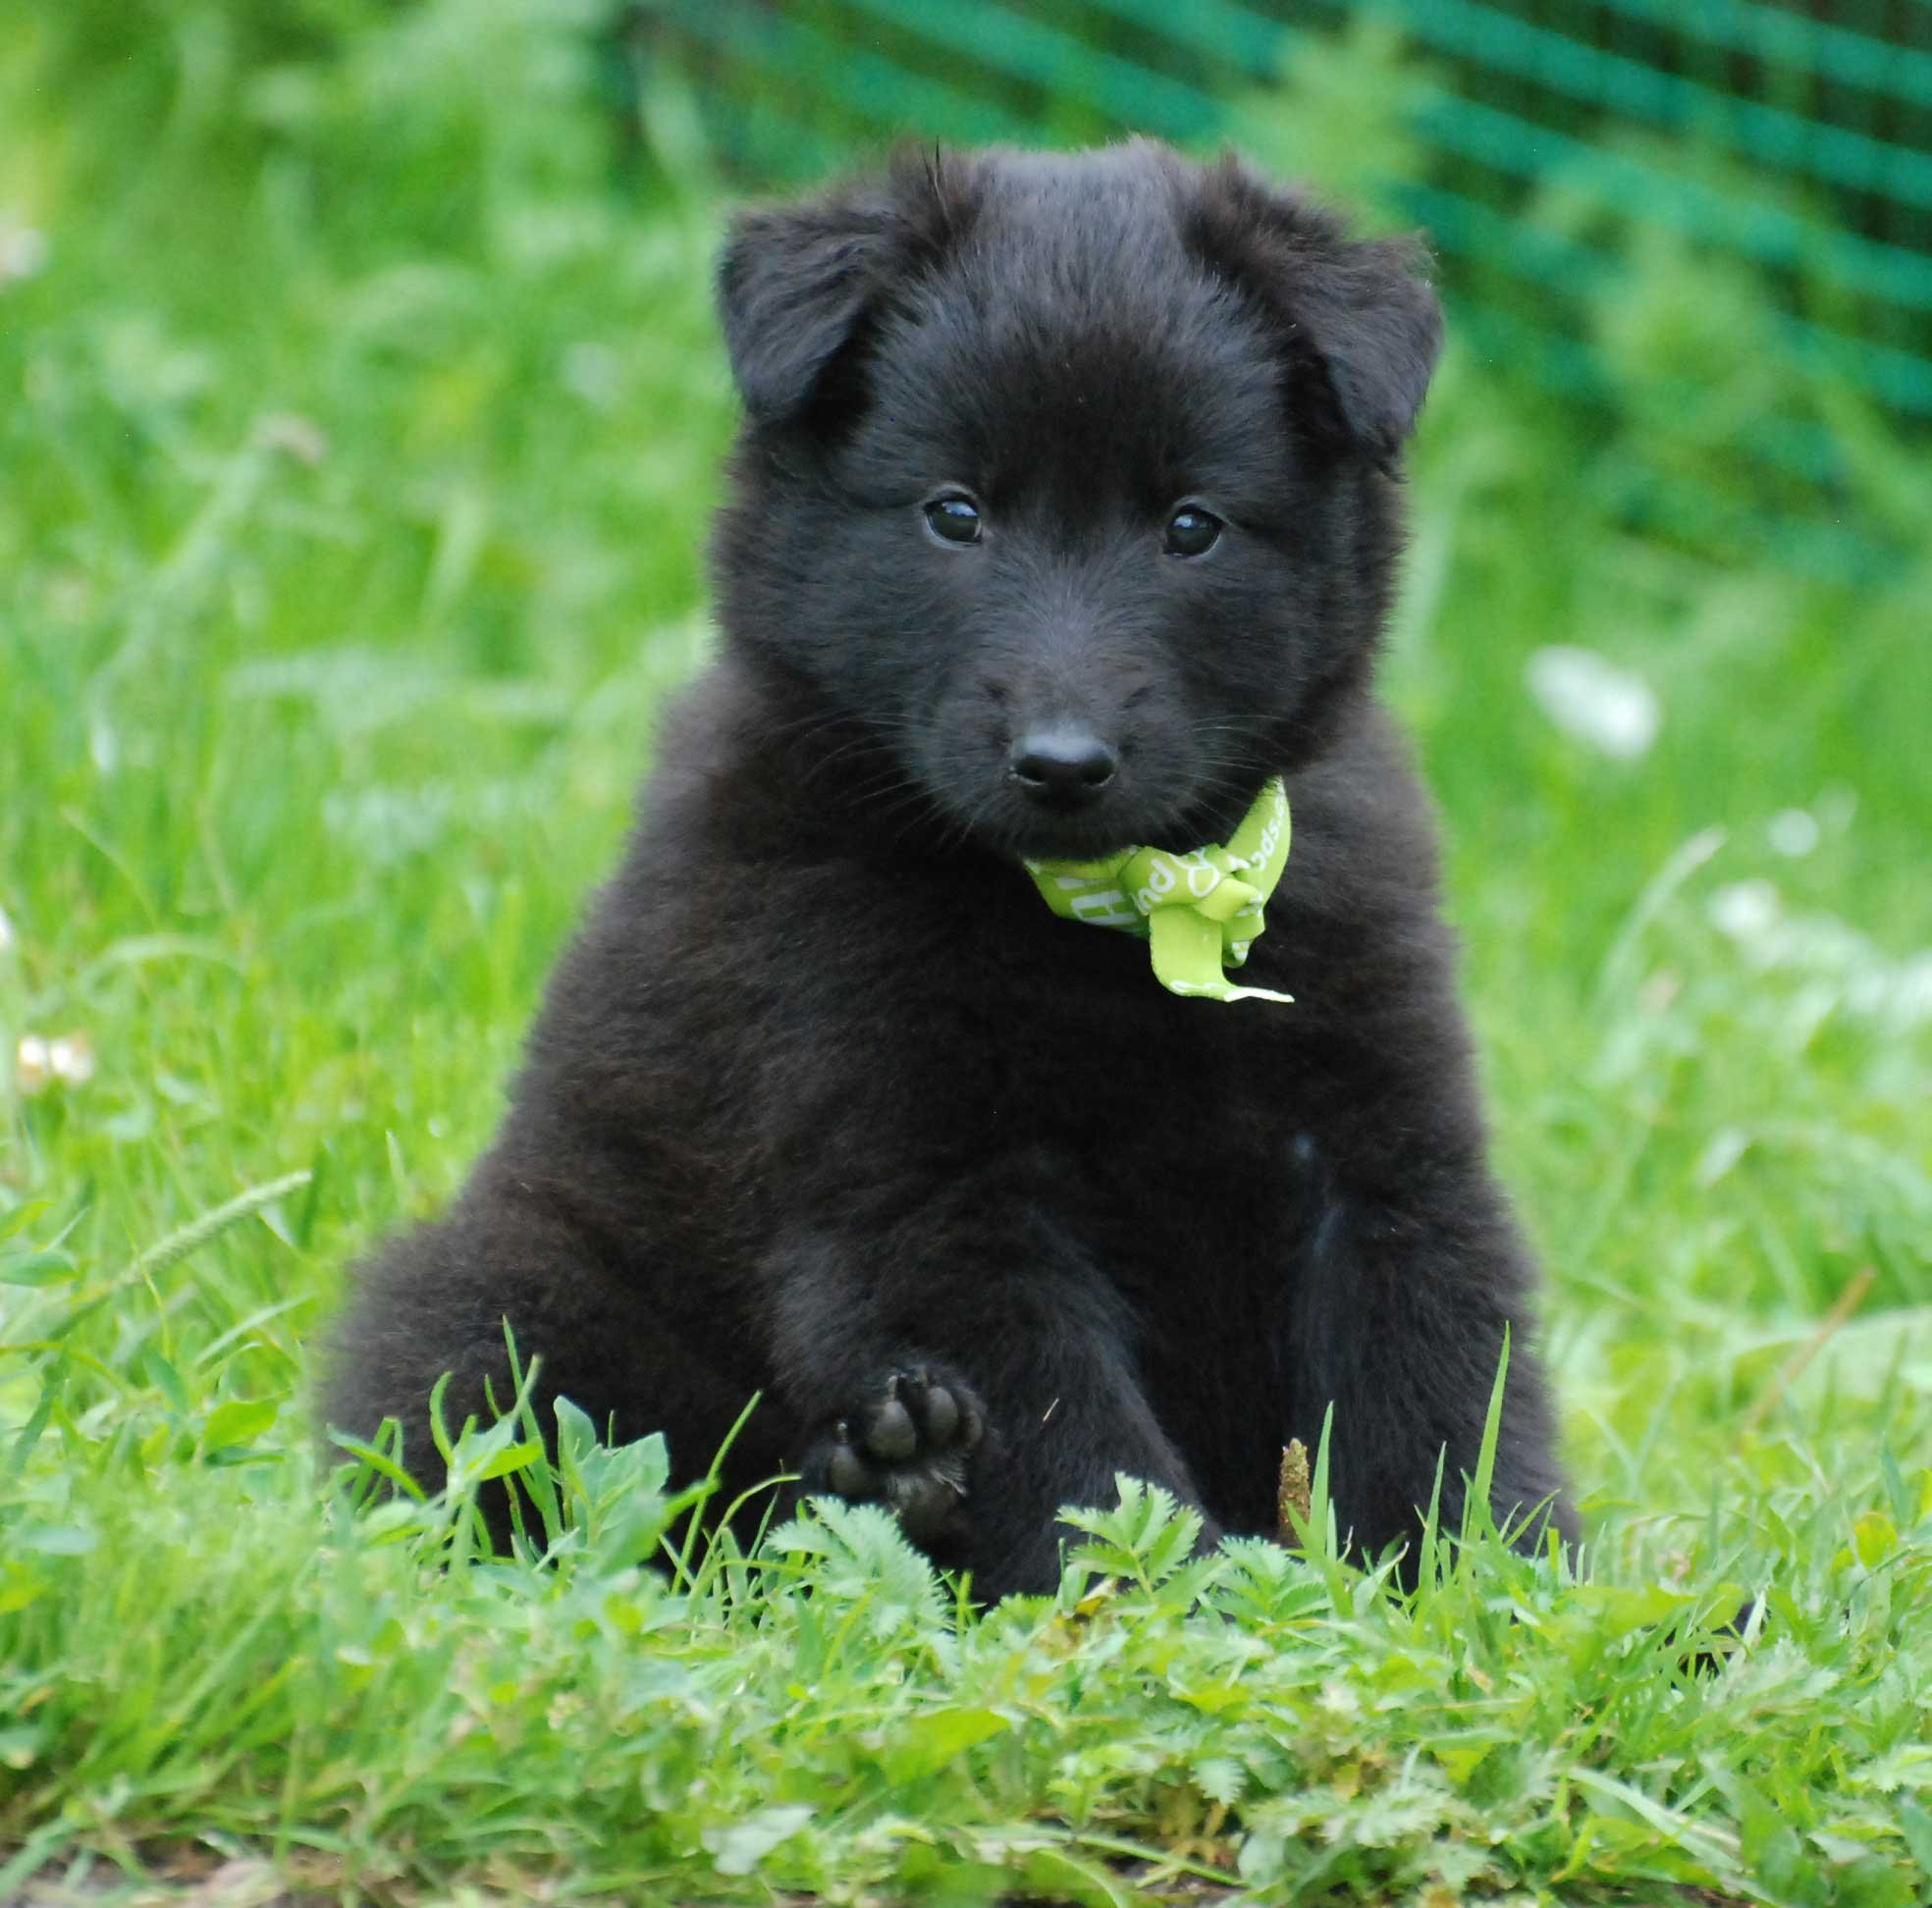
column 1192, row 533
column 954, row 518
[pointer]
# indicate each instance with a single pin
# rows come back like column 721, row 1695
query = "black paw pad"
column 907, row 1445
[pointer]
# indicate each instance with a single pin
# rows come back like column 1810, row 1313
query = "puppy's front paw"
column 905, row 1443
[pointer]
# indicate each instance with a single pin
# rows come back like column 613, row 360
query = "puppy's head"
column 1069, row 476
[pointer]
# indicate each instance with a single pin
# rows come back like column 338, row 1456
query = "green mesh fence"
column 1708, row 219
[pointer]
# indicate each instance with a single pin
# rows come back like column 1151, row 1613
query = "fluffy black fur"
column 823, row 1102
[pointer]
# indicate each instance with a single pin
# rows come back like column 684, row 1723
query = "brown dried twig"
column 1294, row 1492
column 1834, row 1321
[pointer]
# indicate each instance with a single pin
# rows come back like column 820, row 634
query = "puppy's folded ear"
column 802, row 285
column 1360, row 330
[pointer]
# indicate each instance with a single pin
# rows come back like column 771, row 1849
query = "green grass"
column 357, row 440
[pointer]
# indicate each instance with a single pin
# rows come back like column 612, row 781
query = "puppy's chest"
column 1164, row 1133
column 1173, row 1135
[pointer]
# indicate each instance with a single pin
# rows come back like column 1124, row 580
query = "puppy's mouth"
column 1073, row 838
column 1016, row 824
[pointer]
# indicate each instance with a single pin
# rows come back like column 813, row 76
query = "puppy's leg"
column 974, row 1385
column 1399, row 1320
column 436, row 1303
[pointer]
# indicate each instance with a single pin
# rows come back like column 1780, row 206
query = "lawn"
column 361, row 410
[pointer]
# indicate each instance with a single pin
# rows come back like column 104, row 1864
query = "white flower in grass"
column 7, row 935
column 33, row 1069
column 1747, row 911
column 1794, row 833
column 1596, row 700
column 1825, row 962
column 67, row 1060
column 73, row 1058
column 23, row 251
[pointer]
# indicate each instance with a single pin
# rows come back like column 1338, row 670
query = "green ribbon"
column 1202, row 911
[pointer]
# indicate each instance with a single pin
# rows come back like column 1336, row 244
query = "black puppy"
column 1063, row 519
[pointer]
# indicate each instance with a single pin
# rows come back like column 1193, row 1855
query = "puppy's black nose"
column 1063, row 767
